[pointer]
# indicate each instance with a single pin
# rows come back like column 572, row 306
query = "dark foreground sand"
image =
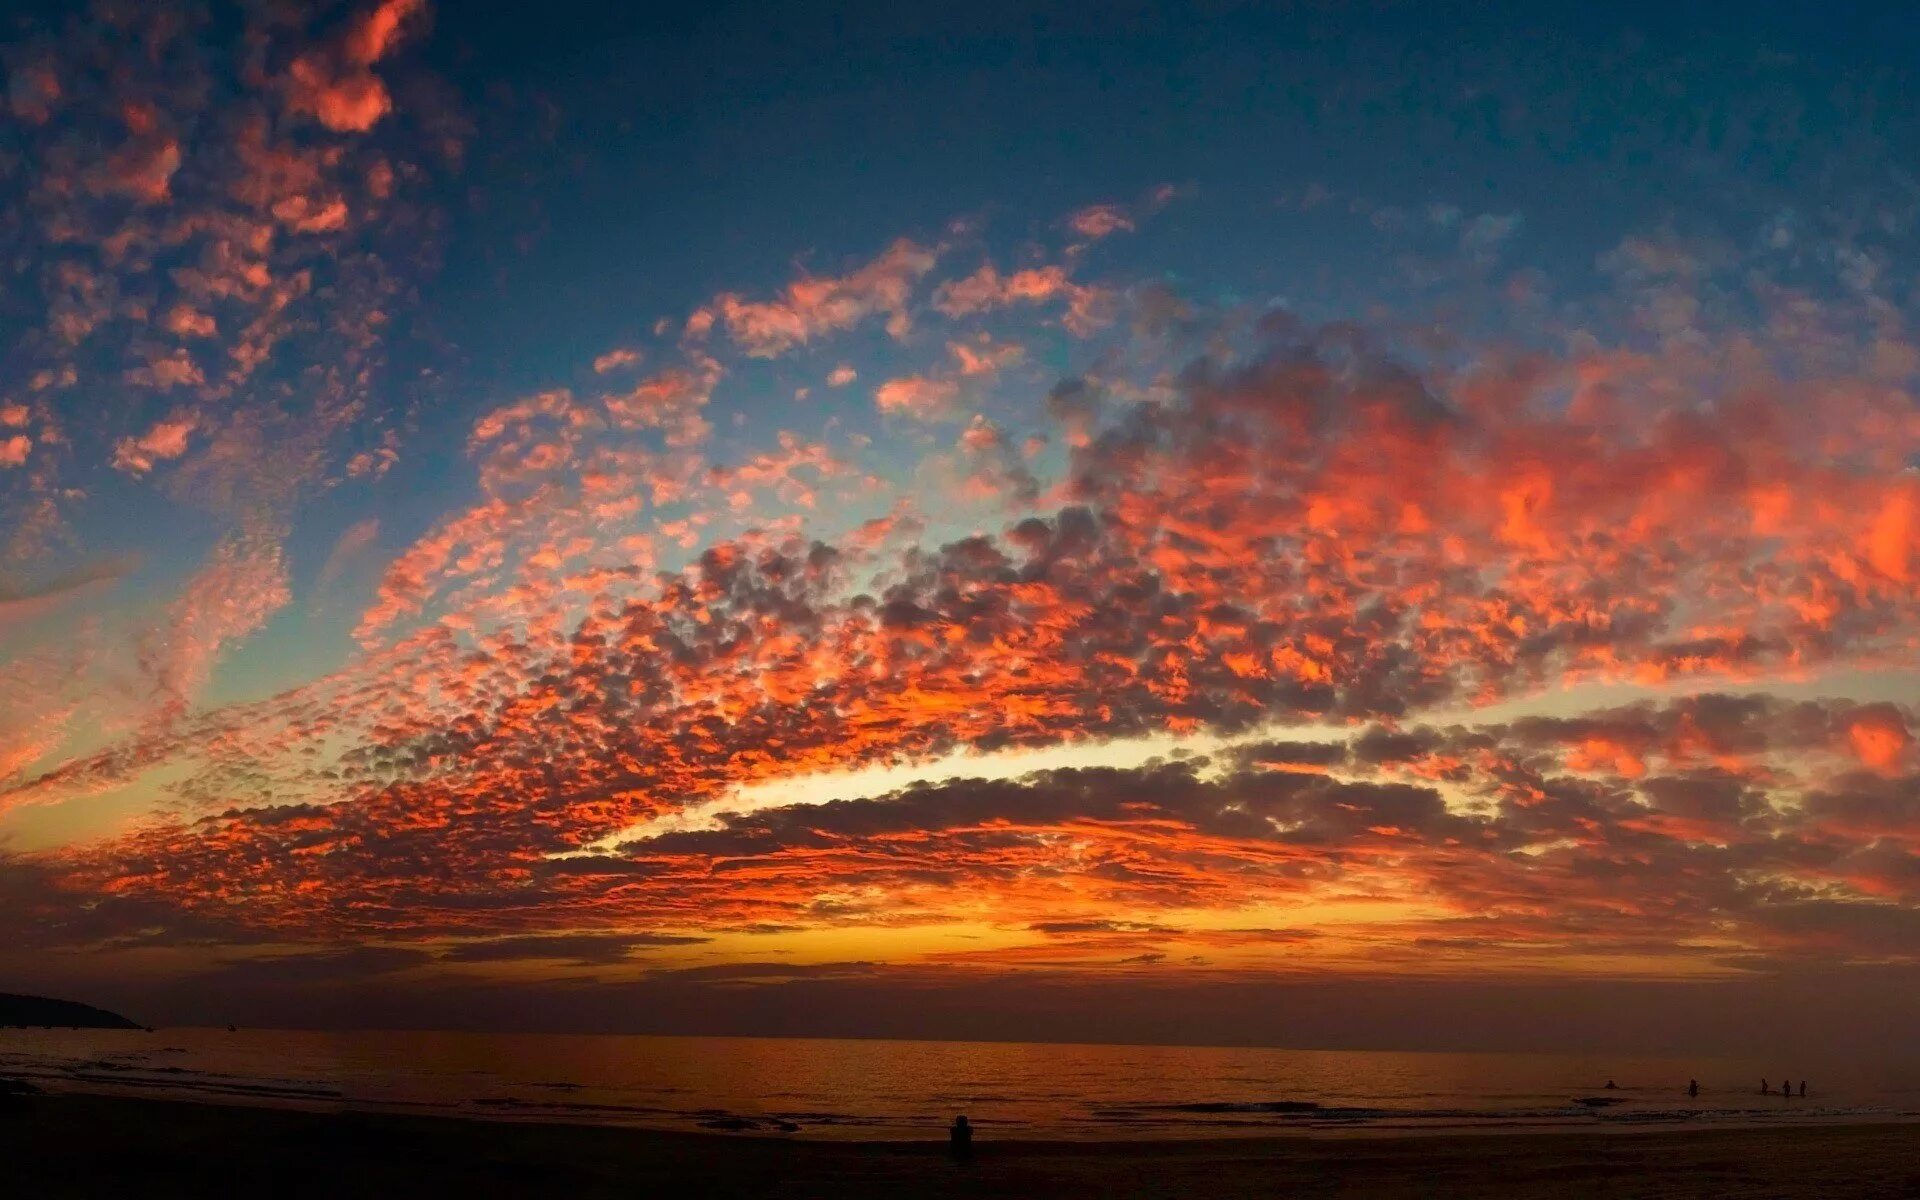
column 136, row 1149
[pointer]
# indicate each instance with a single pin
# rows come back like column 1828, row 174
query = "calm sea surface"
column 899, row 1089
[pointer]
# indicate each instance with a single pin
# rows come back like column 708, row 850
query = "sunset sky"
column 787, row 513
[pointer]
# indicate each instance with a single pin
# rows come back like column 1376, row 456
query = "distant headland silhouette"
column 17, row 1010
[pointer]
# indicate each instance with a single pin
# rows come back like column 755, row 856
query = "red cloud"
column 1881, row 738
column 336, row 85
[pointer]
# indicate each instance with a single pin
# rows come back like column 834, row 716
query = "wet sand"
column 73, row 1145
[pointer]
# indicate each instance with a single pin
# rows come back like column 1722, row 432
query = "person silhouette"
column 1764, row 1089
column 1803, row 1087
column 1786, row 1087
column 1693, row 1088
column 1611, row 1085
column 960, row 1139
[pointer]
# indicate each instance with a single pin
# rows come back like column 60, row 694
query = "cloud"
column 1306, row 532
column 352, row 543
column 337, row 965
column 987, row 290
column 33, row 91
column 21, row 601
column 335, row 83
column 580, row 949
column 242, row 584
column 166, row 440
column 916, row 396
column 614, row 360
column 1881, row 737
column 1232, row 526
column 815, row 305
column 985, row 358
column 197, row 247
column 671, row 401
column 1096, row 926
column 1097, row 221
column 1489, row 232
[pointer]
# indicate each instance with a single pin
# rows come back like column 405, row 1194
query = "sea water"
column 911, row 1089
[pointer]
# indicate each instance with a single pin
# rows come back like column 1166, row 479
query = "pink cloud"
column 166, row 440
column 376, row 462
column 916, row 396
column 1097, row 221
column 816, row 305
column 187, row 321
column 985, row 357
column 164, row 372
column 982, row 435
column 304, row 214
column 232, row 596
column 615, row 359
column 987, row 290
column 670, row 401
column 351, row 545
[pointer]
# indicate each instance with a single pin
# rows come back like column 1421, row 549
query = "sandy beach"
column 75, row 1145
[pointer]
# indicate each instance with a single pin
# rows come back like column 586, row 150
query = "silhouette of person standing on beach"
column 1693, row 1088
column 1786, row 1087
column 1764, row 1089
column 960, row 1140
column 1803, row 1087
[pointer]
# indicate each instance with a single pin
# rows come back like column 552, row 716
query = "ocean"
column 888, row 1090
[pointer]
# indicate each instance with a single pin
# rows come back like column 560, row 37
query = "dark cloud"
column 1097, row 926
column 581, row 949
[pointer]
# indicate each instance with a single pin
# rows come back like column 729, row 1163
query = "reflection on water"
column 899, row 1089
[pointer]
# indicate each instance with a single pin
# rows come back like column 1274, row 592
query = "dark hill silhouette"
column 43, row 1010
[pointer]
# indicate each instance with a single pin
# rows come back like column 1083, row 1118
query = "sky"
column 1356, row 525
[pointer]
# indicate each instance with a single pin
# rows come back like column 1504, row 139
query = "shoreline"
column 71, row 1143
column 1332, row 1126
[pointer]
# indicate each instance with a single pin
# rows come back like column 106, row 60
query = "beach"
column 87, row 1145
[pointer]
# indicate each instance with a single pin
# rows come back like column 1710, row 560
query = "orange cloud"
column 336, row 85
column 1881, row 739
